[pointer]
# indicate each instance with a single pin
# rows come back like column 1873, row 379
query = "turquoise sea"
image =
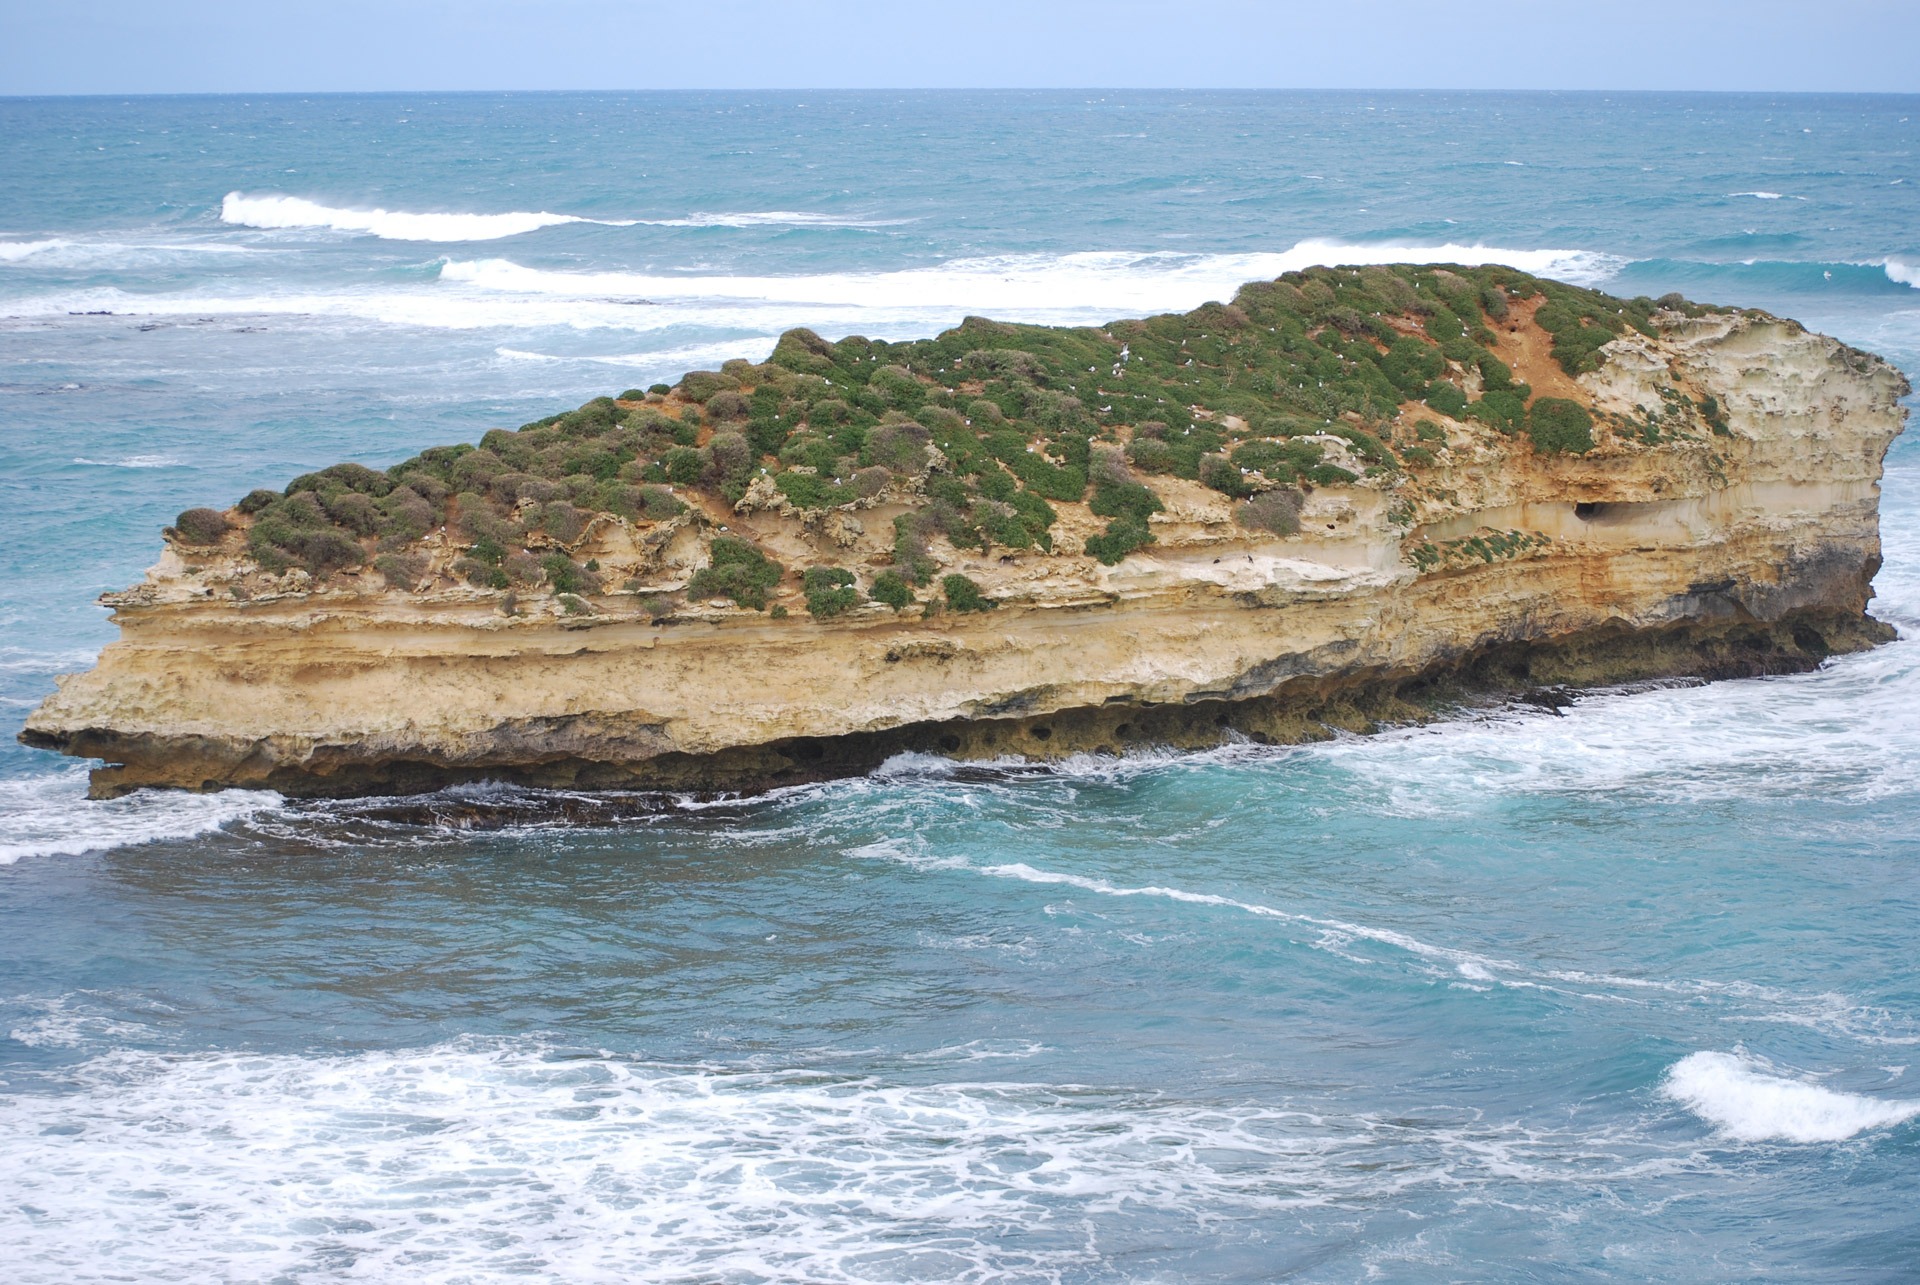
column 1627, row 992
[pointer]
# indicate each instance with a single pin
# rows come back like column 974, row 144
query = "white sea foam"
column 1746, row 1099
column 16, row 251
column 61, row 252
column 1845, row 733
column 1760, row 196
column 471, row 294
column 27, row 660
column 772, row 218
column 1027, row 282
column 50, row 815
column 485, row 1159
column 278, row 211
column 133, row 461
column 71, row 1022
column 676, row 360
column 1903, row 273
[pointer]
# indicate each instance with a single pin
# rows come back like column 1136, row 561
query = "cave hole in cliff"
column 1603, row 512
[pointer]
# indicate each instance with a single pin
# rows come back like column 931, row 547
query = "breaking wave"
column 277, row 211
column 50, row 815
column 1745, row 1099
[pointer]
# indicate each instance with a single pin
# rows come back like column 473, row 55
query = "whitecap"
column 1759, row 196
column 772, row 218
column 1900, row 272
column 15, row 251
column 61, row 252
column 278, row 211
column 1747, row 1099
column 133, row 461
column 50, row 815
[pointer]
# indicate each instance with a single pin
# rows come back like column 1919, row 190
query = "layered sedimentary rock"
column 1713, row 511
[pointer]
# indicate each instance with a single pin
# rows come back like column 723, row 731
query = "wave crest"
column 277, row 211
column 50, row 815
column 1743, row 1099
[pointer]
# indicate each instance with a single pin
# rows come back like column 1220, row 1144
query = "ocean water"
column 1625, row 993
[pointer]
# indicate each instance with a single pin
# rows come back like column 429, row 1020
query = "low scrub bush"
column 1558, row 425
column 1277, row 511
column 892, row 588
column 568, row 576
column 737, row 570
column 829, row 591
column 1222, row 475
column 201, row 526
column 401, row 570
column 962, row 594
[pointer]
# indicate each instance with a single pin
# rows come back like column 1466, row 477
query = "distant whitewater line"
column 1093, row 278
column 1060, row 289
column 279, row 211
column 394, row 225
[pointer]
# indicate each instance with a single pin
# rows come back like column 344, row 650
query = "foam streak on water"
column 497, row 1158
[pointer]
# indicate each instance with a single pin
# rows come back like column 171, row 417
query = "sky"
column 259, row 46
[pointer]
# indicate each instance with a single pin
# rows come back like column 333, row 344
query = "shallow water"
column 1624, row 992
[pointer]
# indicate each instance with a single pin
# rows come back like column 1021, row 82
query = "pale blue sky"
column 175, row 46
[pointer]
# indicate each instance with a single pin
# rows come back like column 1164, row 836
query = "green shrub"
column 1277, row 511
column 1122, row 536
column 963, row 594
column 829, row 591
column 812, row 491
column 683, row 465
column 699, row 385
column 1218, row 472
column 201, row 526
column 1446, row 398
column 898, row 388
column 727, row 464
column 660, row 390
column 736, row 570
column 1503, row 409
column 568, row 576
column 900, row 447
column 1709, row 410
column 892, row 588
column 910, row 557
column 256, row 500
column 401, row 570
column 479, row 574
column 1329, row 475
column 1428, row 431
column 1556, row 424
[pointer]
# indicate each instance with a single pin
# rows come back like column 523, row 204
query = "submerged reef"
column 1348, row 496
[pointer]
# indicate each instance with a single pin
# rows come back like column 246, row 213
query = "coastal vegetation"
column 1324, row 378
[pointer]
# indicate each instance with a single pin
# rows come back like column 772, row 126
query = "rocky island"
column 1344, row 498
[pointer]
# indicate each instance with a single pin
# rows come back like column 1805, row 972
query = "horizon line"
column 966, row 89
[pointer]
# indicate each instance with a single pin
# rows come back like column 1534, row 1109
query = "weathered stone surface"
column 1747, row 551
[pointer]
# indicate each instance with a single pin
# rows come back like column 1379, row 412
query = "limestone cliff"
column 1507, row 496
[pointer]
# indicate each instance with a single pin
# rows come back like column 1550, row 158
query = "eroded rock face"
column 1746, row 547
